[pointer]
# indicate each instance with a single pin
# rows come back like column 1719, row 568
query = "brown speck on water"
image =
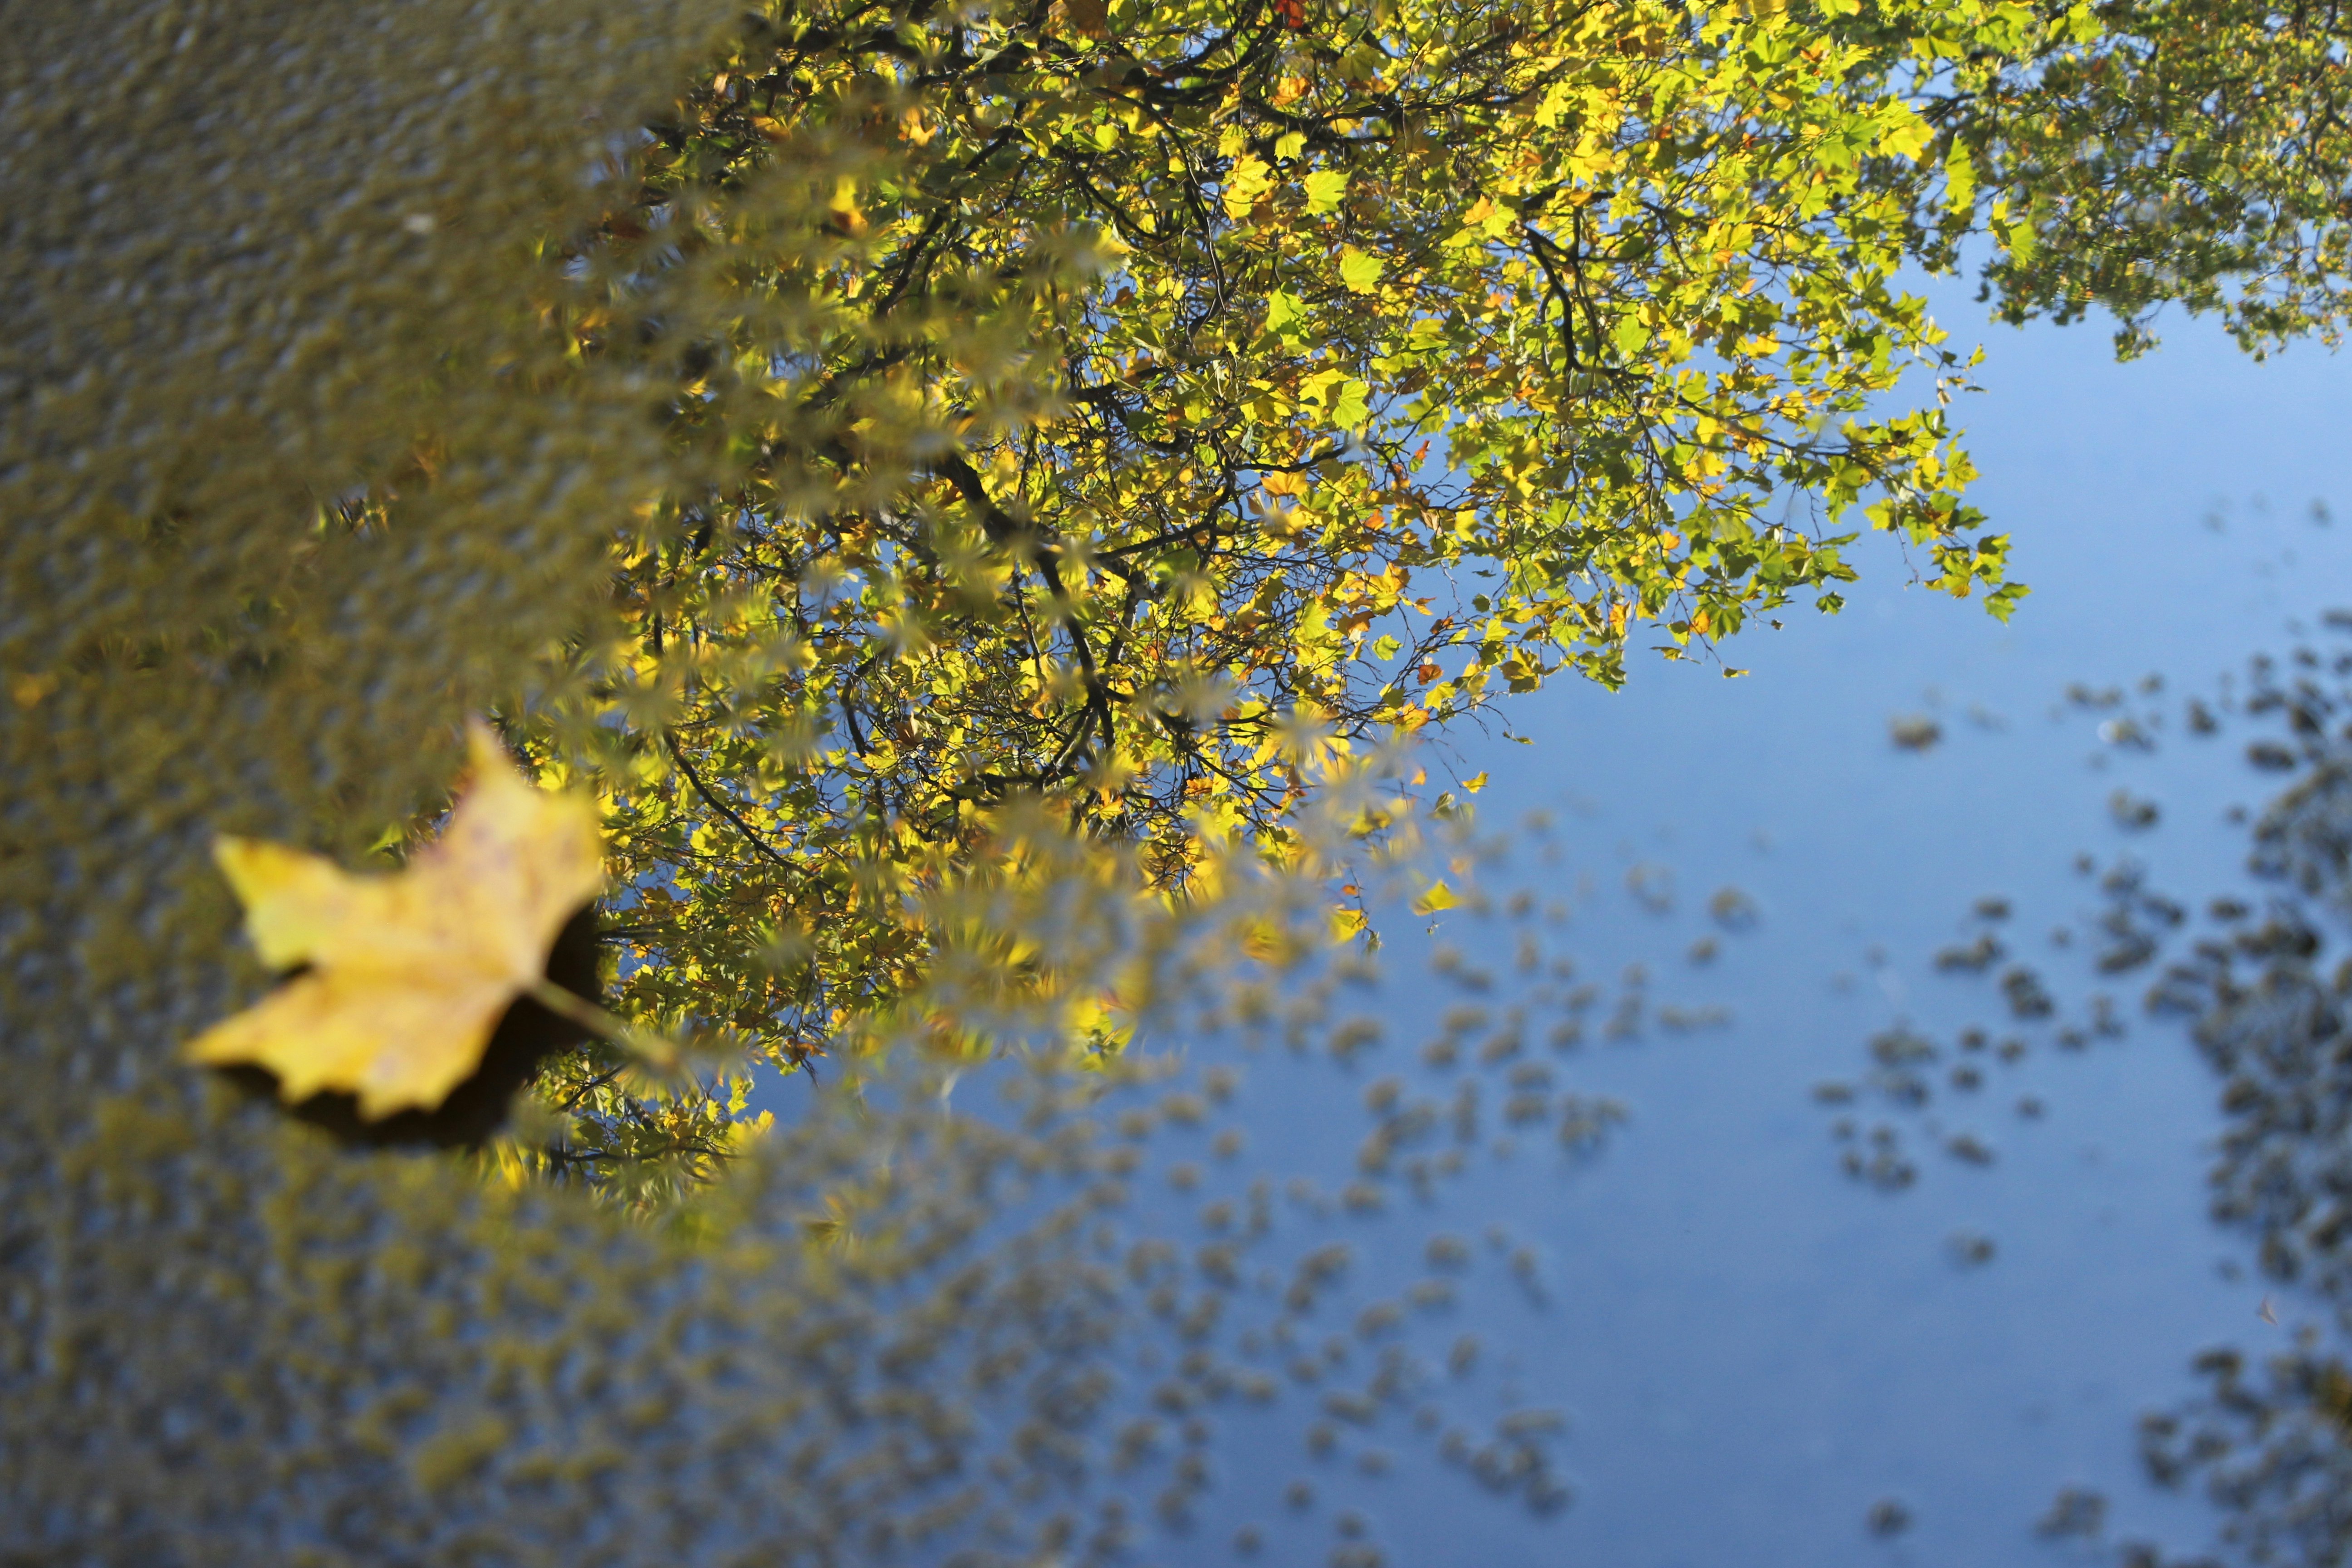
column 1914, row 731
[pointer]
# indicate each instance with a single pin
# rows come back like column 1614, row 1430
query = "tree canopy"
column 1205, row 394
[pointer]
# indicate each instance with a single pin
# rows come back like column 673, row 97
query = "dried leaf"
column 407, row 973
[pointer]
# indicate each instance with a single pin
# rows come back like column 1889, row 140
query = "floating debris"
column 1584, row 1122
column 1966, row 1147
column 1969, row 1248
column 2028, row 997
column 1974, row 958
column 1883, row 1167
column 2076, row 1511
column 1733, row 910
column 1652, row 885
column 1914, row 731
column 2131, row 812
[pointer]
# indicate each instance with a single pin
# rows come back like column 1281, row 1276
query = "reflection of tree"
column 305, row 450
column 2272, row 1439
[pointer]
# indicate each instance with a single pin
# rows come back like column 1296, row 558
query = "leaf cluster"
column 2136, row 153
column 1147, row 413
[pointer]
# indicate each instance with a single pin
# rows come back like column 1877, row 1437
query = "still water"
column 1804, row 1304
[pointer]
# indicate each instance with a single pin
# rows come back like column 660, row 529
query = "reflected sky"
column 1788, row 1353
column 1757, row 1355
column 1775, row 1161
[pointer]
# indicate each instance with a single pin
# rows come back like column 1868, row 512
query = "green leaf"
column 1902, row 132
column 1351, row 410
column 1959, row 179
column 1325, row 189
column 1284, row 312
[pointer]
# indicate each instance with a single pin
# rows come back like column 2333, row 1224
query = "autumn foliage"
column 1154, row 412
column 967, row 522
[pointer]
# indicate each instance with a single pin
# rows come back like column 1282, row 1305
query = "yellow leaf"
column 1439, row 897
column 1251, row 178
column 1359, row 271
column 408, row 973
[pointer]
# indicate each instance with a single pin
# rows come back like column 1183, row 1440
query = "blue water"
column 1752, row 1349
column 1697, row 1340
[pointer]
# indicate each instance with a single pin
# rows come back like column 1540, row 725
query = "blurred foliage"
column 1380, row 363
column 1284, row 381
column 2155, row 152
column 976, row 493
column 2270, row 1438
column 2267, row 994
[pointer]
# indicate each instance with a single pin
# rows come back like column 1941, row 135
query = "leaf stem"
column 654, row 1050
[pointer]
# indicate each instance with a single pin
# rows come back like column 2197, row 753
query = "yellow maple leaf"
column 409, row 973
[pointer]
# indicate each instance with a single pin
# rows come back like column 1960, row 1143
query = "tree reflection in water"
column 2267, row 998
column 2272, row 1440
